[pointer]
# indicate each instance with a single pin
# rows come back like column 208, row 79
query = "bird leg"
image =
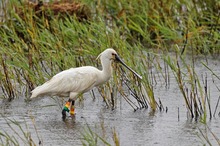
column 72, row 108
column 66, row 109
column 69, row 107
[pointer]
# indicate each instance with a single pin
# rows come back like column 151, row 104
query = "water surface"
column 143, row 127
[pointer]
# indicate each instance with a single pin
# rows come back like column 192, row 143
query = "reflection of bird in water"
column 75, row 81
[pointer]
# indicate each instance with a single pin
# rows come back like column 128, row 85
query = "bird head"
column 111, row 54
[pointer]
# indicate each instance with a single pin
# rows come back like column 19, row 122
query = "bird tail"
column 36, row 92
column 39, row 91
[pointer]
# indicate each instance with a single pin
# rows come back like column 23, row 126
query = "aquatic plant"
column 89, row 137
column 204, row 135
column 34, row 47
column 21, row 134
column 195, row 89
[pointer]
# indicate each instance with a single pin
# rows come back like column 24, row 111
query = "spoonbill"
column 75, row 81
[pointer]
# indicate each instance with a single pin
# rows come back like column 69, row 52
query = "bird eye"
column 113, row 53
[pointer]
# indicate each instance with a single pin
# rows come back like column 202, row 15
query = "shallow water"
column 143, row 127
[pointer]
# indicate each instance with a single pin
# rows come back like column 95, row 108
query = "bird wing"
column 72, row 80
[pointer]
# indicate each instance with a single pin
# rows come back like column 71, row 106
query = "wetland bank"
column 173, row 45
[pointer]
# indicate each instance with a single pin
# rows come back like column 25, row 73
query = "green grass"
column 34, row 48
column 20, row 134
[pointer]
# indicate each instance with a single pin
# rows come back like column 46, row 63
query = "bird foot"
column 64, row 114
column 73, row 116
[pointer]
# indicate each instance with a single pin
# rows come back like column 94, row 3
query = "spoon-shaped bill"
column 120, row 60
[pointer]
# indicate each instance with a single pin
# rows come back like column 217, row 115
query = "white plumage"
column 75, row 81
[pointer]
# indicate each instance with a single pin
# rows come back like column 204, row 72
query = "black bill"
column 119, row 59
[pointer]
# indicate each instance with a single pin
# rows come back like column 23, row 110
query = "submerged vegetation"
column 38, row 40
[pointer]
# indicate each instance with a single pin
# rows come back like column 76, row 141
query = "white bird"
column 74, row 81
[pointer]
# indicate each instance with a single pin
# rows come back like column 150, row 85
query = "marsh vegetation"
column 172, row 44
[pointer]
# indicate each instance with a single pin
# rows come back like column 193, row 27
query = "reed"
column 195, row 89
column 20, row 136
column 89, row 137
column 204, row 135
column 34, row 46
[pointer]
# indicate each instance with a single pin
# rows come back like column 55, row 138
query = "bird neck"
column 106, row 68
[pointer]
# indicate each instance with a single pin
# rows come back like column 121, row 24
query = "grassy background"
column 35, row 45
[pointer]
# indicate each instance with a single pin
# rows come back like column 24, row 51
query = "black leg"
column 63, row 114
column 73, row 102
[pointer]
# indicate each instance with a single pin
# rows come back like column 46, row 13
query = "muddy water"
column 142, row 127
